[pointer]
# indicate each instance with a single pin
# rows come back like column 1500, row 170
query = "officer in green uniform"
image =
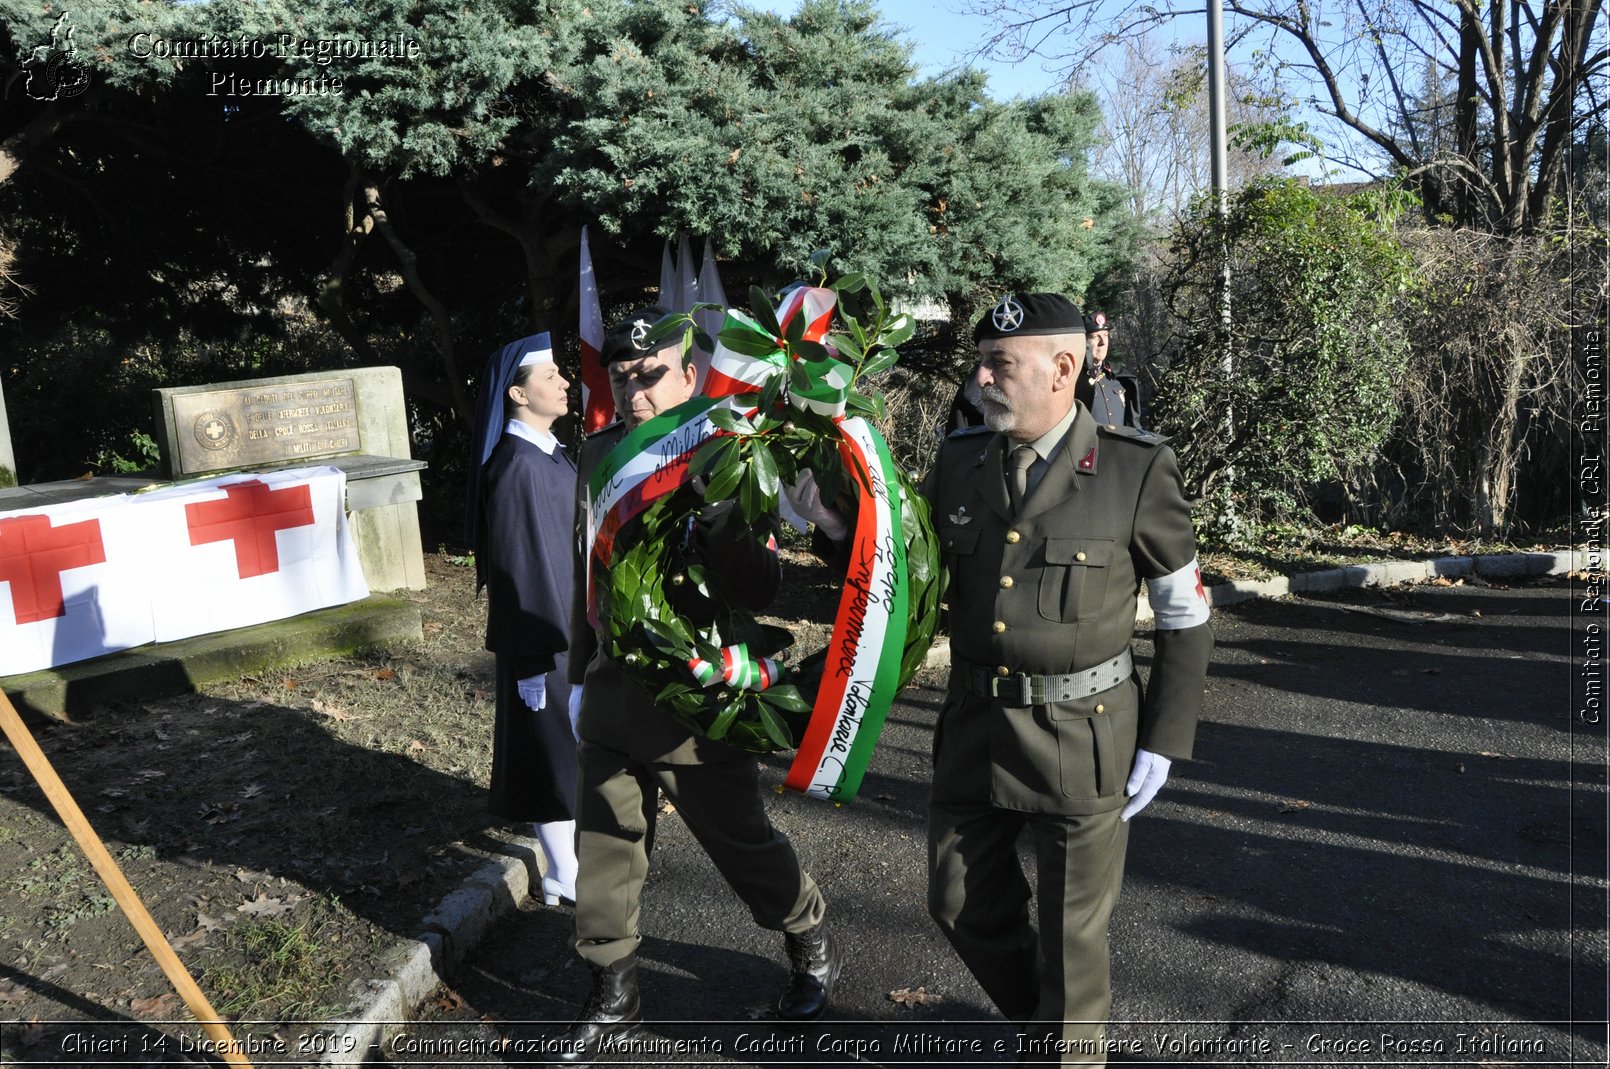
column 630, row 750
column 1048, row 521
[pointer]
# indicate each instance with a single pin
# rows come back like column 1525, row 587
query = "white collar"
column 543, row 440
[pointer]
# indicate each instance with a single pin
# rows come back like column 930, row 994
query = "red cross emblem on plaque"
column 33, row 554
column 250, row 517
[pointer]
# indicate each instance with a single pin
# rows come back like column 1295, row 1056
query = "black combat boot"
column 612, row 1009
column 813, row 957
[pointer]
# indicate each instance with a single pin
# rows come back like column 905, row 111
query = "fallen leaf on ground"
column 449, row 1000
column 384, row 673
column 334, row 712
column 251, row 876
column 251, row 790
column 156, row 1008
column 195, row 938
column 415, row 746
column 209, row 923
column 264, row 906
column 433, row 628
column 289, row 684
column 907, row 996
column 1296, row 806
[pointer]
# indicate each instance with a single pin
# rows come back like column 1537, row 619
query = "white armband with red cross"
column 1178, row 599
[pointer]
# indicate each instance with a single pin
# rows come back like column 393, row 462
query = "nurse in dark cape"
column 521, row 512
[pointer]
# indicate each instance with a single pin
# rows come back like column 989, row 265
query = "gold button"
column 1006, row 582
column 1101, row 709
column 1079, row 555
column 1003, row 671
column 1000, row 626
column 1013, row 537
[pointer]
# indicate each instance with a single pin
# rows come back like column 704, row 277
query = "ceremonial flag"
column 597, row 404
column 687, row 277
column 707, row 291
column 668, row 290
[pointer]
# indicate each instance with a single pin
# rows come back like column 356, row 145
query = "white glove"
column 1149, row 775
column 534, row 692
column 806, row 498
column 575, row 708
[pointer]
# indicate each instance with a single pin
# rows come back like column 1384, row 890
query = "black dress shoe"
column 612, row 1009
column 813, row 957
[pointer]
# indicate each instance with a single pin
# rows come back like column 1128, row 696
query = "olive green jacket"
column 1053, row 592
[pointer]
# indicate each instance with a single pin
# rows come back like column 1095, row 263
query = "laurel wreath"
column 768, row 440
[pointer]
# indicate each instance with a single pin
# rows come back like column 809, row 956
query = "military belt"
column 1021, row 690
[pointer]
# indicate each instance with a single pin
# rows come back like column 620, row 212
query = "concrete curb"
column 413, row 968
column 464, row 916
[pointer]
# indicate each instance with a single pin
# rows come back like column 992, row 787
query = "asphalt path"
column 1389, row 849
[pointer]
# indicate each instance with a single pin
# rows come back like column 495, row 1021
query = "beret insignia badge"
column 1008, row 315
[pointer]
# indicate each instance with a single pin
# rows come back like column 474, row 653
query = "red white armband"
column 1178, row 599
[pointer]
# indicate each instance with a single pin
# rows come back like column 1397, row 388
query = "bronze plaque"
column 253, row 425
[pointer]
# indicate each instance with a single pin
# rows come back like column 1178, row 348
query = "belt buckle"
column 1023, row 684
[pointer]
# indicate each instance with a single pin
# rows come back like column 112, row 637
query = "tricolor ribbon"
column 647, row 464
column 821, row 386
column 733, row 372
column 862, row 673
column 739, row 669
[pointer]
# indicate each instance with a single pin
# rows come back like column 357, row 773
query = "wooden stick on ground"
column 112, row 876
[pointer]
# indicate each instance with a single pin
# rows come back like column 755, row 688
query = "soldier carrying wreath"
column 630, row 748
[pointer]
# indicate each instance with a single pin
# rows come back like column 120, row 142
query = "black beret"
column 1028, row 314
column 1095, row 321
column 625, row 340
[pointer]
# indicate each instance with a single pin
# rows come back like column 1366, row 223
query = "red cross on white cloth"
column 33, row 554
column 251, row 516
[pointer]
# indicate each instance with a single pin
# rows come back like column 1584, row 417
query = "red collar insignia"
column 1089, row 462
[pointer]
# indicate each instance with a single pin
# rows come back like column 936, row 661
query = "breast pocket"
column 957, row 542
column 1073, row 584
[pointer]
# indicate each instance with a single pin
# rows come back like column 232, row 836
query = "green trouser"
column 1057, row 976
column 722, row 806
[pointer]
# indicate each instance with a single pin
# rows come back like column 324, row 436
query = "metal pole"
column 1218, row 132
column 1218, row 144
